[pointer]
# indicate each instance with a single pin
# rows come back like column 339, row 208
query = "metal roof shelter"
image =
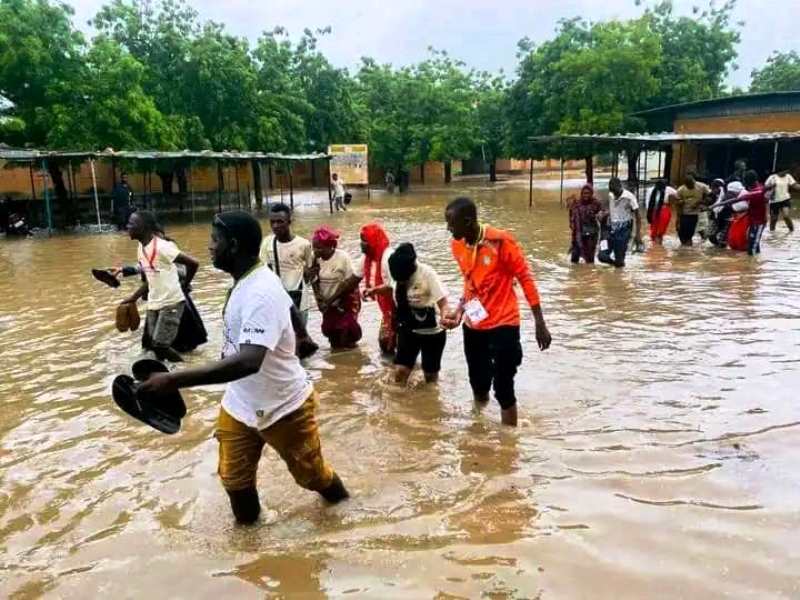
column 42, row 156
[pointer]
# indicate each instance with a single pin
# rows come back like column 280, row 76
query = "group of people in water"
column 269, row 398
column 728, row 214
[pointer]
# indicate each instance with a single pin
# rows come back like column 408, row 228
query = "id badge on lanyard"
column 474, row 309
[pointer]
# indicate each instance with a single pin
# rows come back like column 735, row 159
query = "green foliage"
column 781, row 73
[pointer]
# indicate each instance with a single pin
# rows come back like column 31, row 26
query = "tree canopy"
column 156, row 76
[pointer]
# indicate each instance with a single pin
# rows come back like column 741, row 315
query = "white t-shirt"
column 293, row 257
column 157, row 262
column 781, row 191
column 333, row 272
column 425, row 288
column 258, row 313
column 621, row 209
column 387, row 277
column 338, row 189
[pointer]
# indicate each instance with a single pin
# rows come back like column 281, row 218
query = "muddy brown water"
column 657, row 454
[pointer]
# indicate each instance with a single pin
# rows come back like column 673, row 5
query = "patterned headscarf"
column 326, row 237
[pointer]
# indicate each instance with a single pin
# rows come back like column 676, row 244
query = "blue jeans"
column 618, row 239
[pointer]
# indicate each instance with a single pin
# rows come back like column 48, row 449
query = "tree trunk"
column 62, row 198
column 257, row 181
column 633, row 161
column 589, row 170
column 448, row 172
column 422, row 173
column 668, row 164
column 493, row 170
column 166, row 178
column 402, row 179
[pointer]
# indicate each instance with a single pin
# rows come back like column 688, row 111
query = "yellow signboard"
column 350, row 162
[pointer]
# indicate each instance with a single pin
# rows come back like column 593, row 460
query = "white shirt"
column 338, row 189
column 157, row 262
column 387, row 277
column 781, row 191
column 425, row 289
column 293, row 257
column 258, row 313
column 621, row 209
column 333, row 272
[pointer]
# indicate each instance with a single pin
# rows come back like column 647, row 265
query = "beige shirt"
column 294, row 257
column 334, row 272
column 157, row 261
column 690, row 199
column 425, row 289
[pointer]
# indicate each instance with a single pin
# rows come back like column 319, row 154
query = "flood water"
column 657, row 453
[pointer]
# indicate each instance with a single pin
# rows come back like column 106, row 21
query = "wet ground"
column 656, row 456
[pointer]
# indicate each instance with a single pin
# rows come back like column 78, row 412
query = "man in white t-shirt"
column 158, row 260
column 338, row 192
column 269, row 399
column 781, row 185
column 290, row 257
column 622, row 213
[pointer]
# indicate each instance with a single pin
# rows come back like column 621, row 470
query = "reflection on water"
column 656, row 455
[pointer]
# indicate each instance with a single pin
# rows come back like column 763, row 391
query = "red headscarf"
column 377, row 242
column 326, row 237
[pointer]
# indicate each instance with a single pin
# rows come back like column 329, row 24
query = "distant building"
column 754, row 114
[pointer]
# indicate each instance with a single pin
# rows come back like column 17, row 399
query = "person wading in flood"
column 158, row 258
column 490, row 260
column 290, row 257
column 338, row 192
column 418, row 294
column 622, row 213
column 373, row 270
column 585, row 228
column 781, row 185
column 336, row 290
column 690, row 203
column 268, row 399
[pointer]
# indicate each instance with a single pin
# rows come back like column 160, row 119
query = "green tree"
column 492, row 122
column 696, row 52
column 781, row 73
column 40, row 51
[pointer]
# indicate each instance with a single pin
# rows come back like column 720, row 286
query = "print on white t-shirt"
column 157, row 262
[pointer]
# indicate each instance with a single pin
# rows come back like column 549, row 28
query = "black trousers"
column 493, row 356
column 686, row 228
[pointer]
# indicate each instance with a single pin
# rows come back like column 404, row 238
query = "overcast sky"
column 484, row 34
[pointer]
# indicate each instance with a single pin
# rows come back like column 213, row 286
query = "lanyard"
column 475, row 248
column 242, row 278
column 151, row 259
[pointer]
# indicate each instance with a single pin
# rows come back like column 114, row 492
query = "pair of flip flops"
column 127, row 318
column 162, row 412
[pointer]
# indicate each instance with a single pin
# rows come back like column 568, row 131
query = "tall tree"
column 781, row 73
column 492, row 122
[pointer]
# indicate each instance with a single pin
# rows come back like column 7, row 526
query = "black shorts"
column 410, row 345
column 493, row 356
column 775, row 208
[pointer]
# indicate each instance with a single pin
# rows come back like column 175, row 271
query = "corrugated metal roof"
column 20, row 154
column 668, row 138
column 760, row 97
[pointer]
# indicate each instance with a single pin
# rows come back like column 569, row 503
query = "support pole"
column 47, row 199
column 775, row 158
column 330, row 192
column 291, row 185
column 530, row 186
column 561, row 192
column 659, row 163
column 191, row 187
column 219, row 185
column 238, row 190
column 33, row 184
column 94, row 192
column 267, row 176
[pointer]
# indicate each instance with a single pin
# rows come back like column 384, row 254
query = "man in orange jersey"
column 490, row 260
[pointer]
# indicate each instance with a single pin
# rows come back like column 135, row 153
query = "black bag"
column 348, row 197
